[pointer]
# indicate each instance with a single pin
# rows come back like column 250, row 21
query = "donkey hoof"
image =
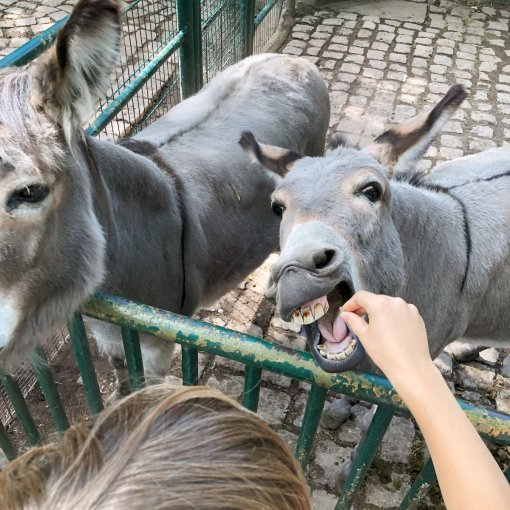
column 337, row 414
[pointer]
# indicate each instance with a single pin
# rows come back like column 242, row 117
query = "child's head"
column 160, row 448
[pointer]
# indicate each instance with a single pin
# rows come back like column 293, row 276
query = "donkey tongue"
column 333, row 332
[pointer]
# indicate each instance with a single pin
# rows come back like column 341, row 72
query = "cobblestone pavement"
column 384, row 62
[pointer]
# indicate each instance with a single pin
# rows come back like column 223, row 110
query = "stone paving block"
column 329, row 457
column 397, row 443
column 388, row 495
column 475, row 377
column 322, row 500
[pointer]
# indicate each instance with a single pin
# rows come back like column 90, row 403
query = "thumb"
column 358, row 325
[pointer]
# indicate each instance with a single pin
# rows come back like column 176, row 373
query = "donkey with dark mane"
column 366, row 219
column 173, row 217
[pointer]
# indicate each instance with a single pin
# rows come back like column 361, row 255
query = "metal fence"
column 209, row 35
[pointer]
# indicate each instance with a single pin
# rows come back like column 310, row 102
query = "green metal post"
column 20, row 406
column 84, row 360
column 6, row 444
column 248, row 21
column 49, row 390
column 365, row 454
column 190, row 58
column 421, row 486
column 134, row 360
column 310, row 424
column 251, row 390
column 197, row 46
column 189, row 366
column 507, row 473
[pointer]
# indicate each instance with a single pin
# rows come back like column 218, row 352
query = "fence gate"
column 169, row 50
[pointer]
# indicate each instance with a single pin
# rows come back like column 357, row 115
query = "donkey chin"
column 333, row 345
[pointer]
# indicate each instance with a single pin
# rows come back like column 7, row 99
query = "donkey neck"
column 144, row 228
column 432, row 231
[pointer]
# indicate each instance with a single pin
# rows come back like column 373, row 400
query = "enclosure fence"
column 170, row 49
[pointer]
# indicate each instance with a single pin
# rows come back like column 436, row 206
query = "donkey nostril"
column 322, row 259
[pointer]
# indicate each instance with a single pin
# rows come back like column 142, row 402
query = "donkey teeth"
column 307, row 315
column 318, row 311
column 297, row 318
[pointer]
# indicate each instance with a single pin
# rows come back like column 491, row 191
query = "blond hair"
column 160, row 448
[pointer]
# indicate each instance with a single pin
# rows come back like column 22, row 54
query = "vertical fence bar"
column 49, row 390
column 84, row 360
column 6, row 444
column 310, row 424
column 251, row 390
column 134, row 361
column 248, row 25
column 189, row 365
column 365, row 455
column 20, row 406
column 189, row 56
column 421, row 486
column 197, row 44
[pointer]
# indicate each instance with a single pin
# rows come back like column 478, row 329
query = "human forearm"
column 468, row 475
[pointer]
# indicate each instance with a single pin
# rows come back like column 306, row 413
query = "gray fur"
column 413, row 243
column 197, row 198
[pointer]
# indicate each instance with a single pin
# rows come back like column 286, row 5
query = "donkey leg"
column 337, row 413
column 347, row 466
column 122, row 376
column 157, row 356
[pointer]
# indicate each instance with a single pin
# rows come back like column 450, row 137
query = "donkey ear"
column 74, row 73
column 276, row 159
column 399, row 148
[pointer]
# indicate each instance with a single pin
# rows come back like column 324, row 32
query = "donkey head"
column 337, row 234
column 52, row 247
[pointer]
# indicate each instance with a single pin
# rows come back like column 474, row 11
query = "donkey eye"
column 278, row 209
column 372, row 191
column 27, row 195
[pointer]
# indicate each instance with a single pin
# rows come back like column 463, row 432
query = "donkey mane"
column 20, row 122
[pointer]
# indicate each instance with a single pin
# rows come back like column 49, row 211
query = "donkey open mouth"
column 333, row 345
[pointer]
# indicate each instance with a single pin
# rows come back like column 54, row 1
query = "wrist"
column 418, row 382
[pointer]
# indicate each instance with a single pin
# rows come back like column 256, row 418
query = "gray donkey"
column 440, row 240
column 173, row 217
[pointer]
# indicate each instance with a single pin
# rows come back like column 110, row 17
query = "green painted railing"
column 194, row 336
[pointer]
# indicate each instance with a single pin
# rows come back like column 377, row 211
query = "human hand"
column 395, row 338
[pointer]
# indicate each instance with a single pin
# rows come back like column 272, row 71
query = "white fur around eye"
column 8, row 319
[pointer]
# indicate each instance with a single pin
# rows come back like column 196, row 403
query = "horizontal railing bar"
column 33, row 48
column 144, row 74
column 20, row 406
column 272, row 356
column 217, row 11
column 264, row 12
column 39, row 43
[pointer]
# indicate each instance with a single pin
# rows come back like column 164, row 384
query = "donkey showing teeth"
column 440, row 240
column 173, row 217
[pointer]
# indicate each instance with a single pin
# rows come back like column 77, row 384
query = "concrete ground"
column 383, row 62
